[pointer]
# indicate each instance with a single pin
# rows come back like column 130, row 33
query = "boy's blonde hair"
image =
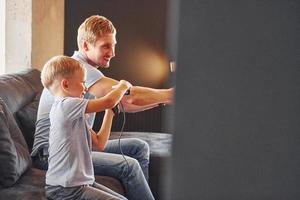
column 59, row 67
column 93, row 28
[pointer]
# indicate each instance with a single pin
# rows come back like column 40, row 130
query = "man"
column 96, row 43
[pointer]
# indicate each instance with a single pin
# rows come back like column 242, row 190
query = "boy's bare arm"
column 110, row 100
column 100, row 139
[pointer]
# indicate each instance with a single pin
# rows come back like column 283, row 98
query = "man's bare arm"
column 131, row 108
column 139, row 96
column 102, row 87
column 142, row 96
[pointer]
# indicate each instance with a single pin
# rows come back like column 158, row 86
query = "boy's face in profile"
column 102, row 51
column 76, row 87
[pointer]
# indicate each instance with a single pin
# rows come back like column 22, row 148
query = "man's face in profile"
column 102, row 51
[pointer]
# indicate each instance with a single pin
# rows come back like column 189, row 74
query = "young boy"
column 70, row 173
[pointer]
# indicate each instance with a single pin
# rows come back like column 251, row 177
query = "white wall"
column 2, row 36
column 17, row 35
column 31, row 31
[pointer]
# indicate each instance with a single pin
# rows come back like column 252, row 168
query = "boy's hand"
column 112, row 112
column 126, row 83
column 122, row 83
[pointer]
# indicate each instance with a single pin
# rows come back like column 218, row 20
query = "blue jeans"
column 86, row 192
column 133, row 175
column 132, row 172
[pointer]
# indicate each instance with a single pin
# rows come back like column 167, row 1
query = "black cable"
column 121, row 133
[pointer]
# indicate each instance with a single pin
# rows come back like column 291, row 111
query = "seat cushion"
column 31, row 186
column 159, row 143
column 111, row 183
column 14, row 154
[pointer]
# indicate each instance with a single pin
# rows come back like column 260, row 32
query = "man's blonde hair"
column 93, row 28
column 59, row 67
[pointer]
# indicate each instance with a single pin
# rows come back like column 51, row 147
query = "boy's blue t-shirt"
column 70, row 144
column 42, row 124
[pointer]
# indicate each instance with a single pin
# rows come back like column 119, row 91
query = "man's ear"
column 85, row 46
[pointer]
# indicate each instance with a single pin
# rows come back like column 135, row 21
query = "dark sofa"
column 19, row 98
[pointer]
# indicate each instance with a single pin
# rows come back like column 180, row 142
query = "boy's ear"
column 64, row 84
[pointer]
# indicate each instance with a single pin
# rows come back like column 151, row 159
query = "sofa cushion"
column 18, row 89
column 14, row 154
column 26, row 118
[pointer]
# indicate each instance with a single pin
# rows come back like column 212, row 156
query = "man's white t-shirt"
column 41, row 135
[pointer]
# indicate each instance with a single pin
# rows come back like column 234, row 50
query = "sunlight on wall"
column 148, row 64
column 151, row 66
column 47, row 31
